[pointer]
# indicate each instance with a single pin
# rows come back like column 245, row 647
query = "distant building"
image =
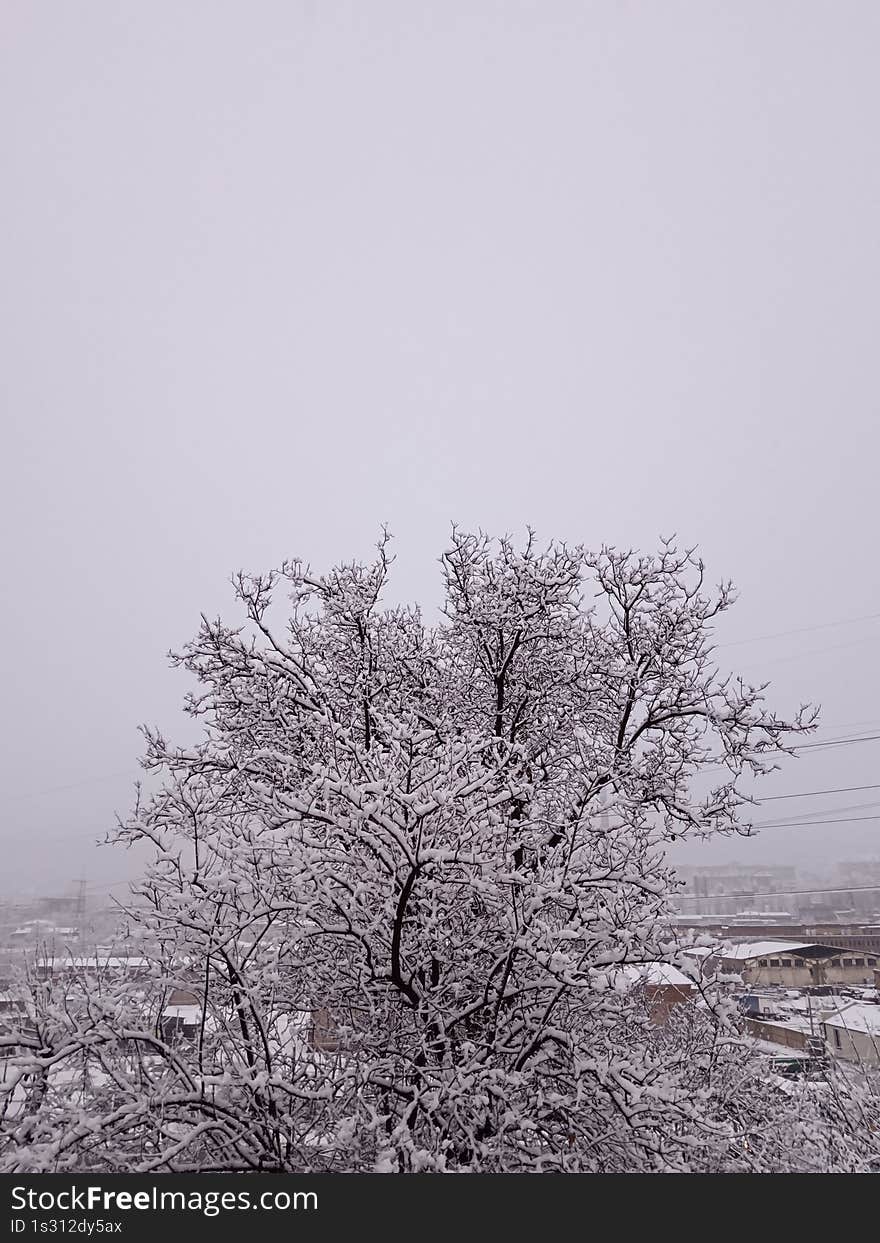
column 853, row 1034
column 182, row 1015
column 767, row 918
column 11, row 1005
column 797, row 964
column 703, row 957
column 52, row 966
column 665, row 987
column 324, row 1036
column 854, row 936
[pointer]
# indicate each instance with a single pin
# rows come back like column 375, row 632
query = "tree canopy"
column 401, row 877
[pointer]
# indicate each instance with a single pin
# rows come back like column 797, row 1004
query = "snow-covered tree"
column 398, row 878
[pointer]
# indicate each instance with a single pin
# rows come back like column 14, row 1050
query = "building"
column 703, row 958
column 727, row 888
column 797, row 964
column 769, row 919
column 781, row 1016
column 12, row 1008
column 859, row 936
column 787, row 1032
column 324, row 1034
column 118, row 965
column 853, row 1033
column 665, row 987
column 182, row 1015
column 32, row 931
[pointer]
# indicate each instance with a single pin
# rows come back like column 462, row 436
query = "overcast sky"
column 276, row 272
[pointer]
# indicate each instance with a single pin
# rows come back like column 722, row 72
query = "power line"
column 781, row 634
column 771, row 798
column 851, row 732
column 778, row 893
column 814, row 651
column 809, row 817
column 866, row 721
column 808, row 824
column 801, row 746
column 72, row 785
column 835, row 742
column 854, row 734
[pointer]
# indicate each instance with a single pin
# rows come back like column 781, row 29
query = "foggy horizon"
column 275, row 277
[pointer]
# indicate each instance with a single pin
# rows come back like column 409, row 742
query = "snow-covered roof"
column 186, row 1014
column 698, row 951
column 771, row 1048
column 653, row 973
column 765, row 949
column 796, row 1087
column 761, row 915
column 90, row 963
column 857, row 1017
column 816, row 1005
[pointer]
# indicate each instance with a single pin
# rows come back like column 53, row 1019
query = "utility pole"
column 80, row 909
column 816, row 1044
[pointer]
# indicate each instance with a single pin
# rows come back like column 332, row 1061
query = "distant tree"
column 400, row 874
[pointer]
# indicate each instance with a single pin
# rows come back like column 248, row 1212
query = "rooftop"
column 762, row 949
column 90, row 962
column 187, row 1014
column 857, row 1017
column 653, row 973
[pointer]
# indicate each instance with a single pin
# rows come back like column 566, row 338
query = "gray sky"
column 273, row 273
